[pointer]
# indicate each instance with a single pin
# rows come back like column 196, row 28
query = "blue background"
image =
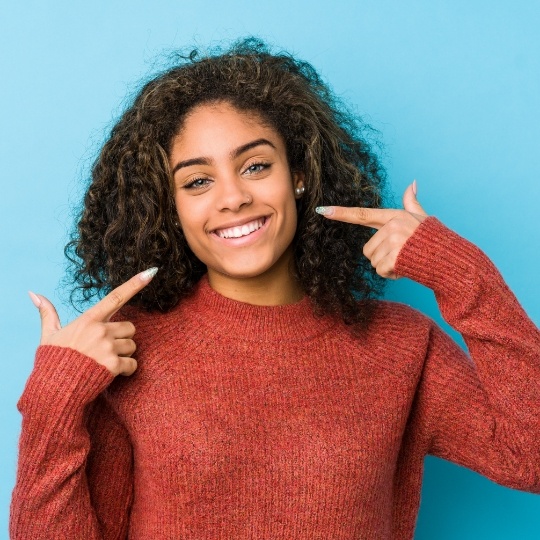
column 453, row 88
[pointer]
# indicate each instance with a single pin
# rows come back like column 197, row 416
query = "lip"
column 237, row 223
column 243, row 240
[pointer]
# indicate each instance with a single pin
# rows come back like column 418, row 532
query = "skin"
column 231, row 187
column 229, row 168
column 394, row 226
column 92, row 334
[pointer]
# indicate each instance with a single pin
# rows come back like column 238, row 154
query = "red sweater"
column 249, row 422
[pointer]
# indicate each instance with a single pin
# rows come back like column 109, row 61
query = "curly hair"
column 128, row 219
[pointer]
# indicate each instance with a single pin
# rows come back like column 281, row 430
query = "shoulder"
column 397, row 338
column 390, row 315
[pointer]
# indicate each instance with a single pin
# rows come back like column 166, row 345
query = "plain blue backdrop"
column 453, row 88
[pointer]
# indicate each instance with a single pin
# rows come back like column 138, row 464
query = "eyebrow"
column 234, row 154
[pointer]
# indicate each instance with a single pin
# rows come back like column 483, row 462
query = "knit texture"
column 250, row 422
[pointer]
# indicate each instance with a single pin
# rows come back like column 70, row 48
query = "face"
column 234, row 191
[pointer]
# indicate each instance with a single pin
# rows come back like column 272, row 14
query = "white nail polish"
column 35, row 299
column 147, row 275
column 324, row 210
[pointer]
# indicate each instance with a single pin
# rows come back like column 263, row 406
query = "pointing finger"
column 117, row 298
column 369, row 217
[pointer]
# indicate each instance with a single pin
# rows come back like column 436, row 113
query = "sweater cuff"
column 442, row 260
column 62, row 380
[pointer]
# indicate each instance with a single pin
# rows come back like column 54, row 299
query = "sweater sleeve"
column 482, row 412
column 74, row 473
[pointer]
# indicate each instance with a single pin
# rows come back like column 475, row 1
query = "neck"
column 275, row 287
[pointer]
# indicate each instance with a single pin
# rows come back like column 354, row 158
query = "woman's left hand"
column 394, row 226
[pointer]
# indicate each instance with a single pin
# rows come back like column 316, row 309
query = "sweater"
column 269, row 422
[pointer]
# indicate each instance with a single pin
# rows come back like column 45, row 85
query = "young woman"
column 268, row 395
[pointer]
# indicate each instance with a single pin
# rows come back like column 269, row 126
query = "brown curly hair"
column 127, row 222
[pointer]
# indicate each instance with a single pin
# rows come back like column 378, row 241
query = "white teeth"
column 243, row 230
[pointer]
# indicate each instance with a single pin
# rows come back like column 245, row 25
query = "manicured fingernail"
column 325, row 210
column 414, row 188
column 36, row 300
column 147, row 275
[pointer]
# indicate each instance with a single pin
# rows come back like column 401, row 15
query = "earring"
column 299, row 191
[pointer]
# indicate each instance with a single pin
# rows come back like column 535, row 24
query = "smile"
column 241, row 230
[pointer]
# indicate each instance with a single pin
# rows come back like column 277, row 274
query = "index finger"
column 110, row 304
column 369, row 217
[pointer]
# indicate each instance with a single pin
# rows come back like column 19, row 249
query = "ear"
column 298, row 183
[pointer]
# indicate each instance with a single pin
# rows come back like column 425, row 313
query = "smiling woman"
column 269, row 395
column 236, row 205
column 130, row 202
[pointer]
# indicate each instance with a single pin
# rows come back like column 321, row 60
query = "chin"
column 243, row 273
column 245, row 269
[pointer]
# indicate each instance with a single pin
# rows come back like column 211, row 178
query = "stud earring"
column 299, row 191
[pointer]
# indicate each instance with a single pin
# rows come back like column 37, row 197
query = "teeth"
column 244, row 230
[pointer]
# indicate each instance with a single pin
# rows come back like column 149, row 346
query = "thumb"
column 410, row 203
column 50, row 322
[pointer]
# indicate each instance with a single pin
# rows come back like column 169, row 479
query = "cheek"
column 290, row 211
column 278, row 195
column 280, row 198
column 190, row 217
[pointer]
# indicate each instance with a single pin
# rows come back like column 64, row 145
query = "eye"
column 197, row 183
column 256, row 168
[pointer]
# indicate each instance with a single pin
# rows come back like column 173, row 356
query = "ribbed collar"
column 247, row 322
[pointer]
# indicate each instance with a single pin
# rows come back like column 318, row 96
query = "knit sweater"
column 251, row 422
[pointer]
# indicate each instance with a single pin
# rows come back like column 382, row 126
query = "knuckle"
column 129, row 366
column 393, row 225
column 361, row 213
column 395, row 241
column 116, row 299
column 386, row 268
column 100, row 331
column 115, row 364
column 129, row 347
column 110, row 362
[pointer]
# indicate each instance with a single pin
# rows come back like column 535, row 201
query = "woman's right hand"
column 92, row 334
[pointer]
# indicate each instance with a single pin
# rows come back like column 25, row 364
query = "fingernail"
column 36, row 300
column 147, row 275
column 324, row 210
column 414, row 188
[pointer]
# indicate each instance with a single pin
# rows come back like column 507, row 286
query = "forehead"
column 216, row 126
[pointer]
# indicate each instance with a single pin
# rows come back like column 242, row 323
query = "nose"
column 233, row 195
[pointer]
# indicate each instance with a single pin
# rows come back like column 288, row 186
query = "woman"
column 271, row 396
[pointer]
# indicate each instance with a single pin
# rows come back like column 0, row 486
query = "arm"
column 74, row 474
column 109, row 470
column 483, row 414
column 55, row 497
